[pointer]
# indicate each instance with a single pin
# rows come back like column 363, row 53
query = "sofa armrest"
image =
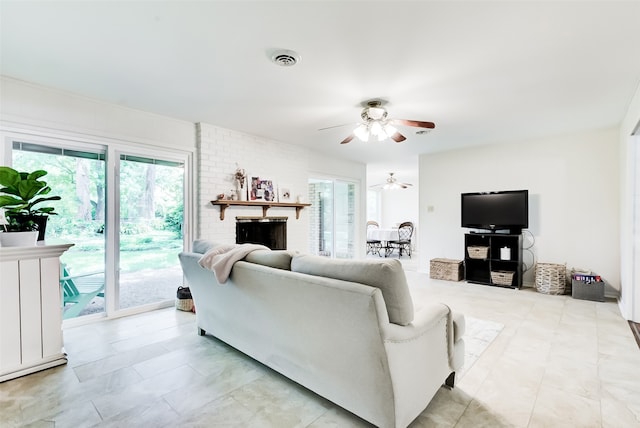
column 421, row 357
column 425, row 319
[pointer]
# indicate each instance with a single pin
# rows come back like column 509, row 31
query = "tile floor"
column 558, row 362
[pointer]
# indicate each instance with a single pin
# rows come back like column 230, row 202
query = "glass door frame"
column 54, row 138
column 356, row 213
column 113, row 218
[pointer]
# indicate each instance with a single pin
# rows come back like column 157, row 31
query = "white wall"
column 573, row 198
column 630, row 293
column 27, row 105
column 401, row 205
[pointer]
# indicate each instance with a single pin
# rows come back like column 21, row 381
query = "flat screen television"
column 508, row 209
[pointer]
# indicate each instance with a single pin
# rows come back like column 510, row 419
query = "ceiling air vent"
column 285, row 58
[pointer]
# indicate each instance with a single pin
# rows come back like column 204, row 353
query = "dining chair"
column 403, row 243
column 373, row 245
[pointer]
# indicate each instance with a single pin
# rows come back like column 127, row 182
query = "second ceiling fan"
column 376, row 123
column 392, row 183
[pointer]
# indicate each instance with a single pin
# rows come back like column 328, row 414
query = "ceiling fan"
column 377, row 124
column 392, row 183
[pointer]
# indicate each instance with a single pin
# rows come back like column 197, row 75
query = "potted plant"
column 20, row 193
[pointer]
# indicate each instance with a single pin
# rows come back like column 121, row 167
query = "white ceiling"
column 484, row 72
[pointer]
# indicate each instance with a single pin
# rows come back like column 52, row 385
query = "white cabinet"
column 30, row 309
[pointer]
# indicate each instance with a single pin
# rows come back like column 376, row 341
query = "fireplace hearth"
column 268, row 231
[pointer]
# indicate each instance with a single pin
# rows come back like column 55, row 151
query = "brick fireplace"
column 268, row 231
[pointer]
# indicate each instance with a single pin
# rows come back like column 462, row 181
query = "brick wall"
column 218, row 152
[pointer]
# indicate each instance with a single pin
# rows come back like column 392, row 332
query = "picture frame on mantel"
column 262, row 190
column 254, row 187
column 284, row 194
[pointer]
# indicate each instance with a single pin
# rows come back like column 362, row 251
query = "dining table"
column 384, row 236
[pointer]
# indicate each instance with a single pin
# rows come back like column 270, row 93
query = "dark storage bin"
column 587, row 287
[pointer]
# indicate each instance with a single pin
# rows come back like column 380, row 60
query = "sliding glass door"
column 123, row 212
column 332, row 228
column 151, row 200
column 77, row 175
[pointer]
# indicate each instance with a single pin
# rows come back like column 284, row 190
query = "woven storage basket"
column 184, row 304
column 477, row 252
column 448, row 269
column 551, row 278
column 502, row 277
column 184, row 300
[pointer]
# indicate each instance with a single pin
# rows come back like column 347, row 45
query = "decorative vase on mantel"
column 242, row 195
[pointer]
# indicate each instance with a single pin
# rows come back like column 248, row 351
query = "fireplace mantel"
column 224, row 204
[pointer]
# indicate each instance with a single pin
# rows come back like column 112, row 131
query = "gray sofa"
column 345, row 329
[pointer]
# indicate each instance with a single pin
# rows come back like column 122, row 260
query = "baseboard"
column 635, row 329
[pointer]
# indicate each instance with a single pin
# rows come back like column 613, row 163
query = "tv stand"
column 498, row 231
column 478, row 270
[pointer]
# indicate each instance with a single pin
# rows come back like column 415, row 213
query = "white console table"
column 30, row 309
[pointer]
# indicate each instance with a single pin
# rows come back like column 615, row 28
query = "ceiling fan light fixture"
column 389, row 130
column 392, row 186
column 362, row 132
column 377, row 130
column 376, row 113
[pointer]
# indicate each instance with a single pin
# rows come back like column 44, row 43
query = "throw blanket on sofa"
column 220, row 259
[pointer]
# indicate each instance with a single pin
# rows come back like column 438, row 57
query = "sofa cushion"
column 387, row 275
column 279, row 259
column 201, row 246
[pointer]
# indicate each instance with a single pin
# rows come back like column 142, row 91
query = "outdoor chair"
column 79, row 290
column 403, row 244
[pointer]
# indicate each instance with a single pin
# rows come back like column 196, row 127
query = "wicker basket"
column 447, row 269
column 551, row 278
column 502, row 277
column 184, row 305
column 184, row 300
column 477, row 252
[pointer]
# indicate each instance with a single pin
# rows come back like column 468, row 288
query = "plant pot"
column 18, row 239
column 40, row 220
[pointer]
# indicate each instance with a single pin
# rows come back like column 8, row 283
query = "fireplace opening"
column 268, row 231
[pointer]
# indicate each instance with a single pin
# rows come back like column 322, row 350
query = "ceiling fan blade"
column 398, row 137
column 416, row 123
column 339, row 126
column 348, row 139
